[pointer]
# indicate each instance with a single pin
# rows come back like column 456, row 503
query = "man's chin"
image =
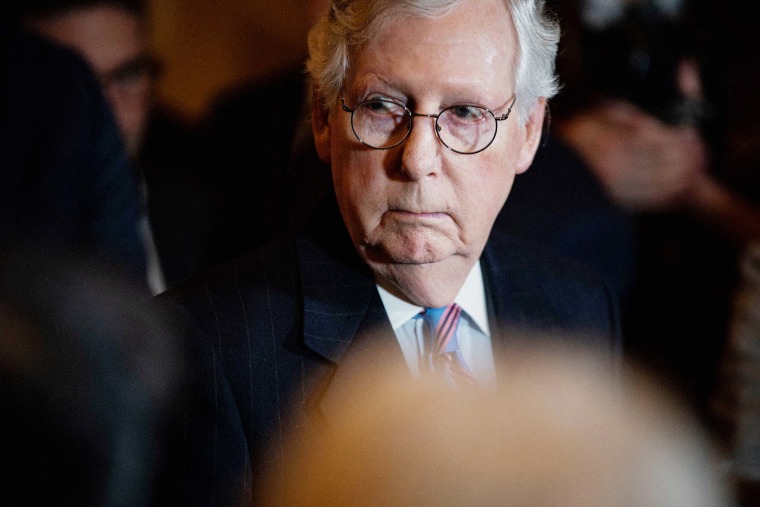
column 408, row 253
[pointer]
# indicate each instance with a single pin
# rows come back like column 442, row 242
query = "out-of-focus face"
column 112, row 40
column 420, row 203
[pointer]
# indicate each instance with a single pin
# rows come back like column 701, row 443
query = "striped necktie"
column 442, row 354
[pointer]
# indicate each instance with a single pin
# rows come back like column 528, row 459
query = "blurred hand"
column 644, row 164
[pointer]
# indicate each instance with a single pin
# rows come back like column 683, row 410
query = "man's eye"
column 384, row 108
column 467, row 113
column 376, row 105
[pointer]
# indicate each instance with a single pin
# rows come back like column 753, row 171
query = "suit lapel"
column 337, row 286
column 344, row 320
column 516, row 297
column 335, row 299
column 502, row 304
column 516, row 292
column 374, row 346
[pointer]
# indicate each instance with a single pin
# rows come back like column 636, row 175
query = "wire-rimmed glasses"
column 463, row 128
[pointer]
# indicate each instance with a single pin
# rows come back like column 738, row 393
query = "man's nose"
column 421, row 149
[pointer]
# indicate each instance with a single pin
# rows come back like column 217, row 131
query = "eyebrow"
column 367, row 81
column 459, row 94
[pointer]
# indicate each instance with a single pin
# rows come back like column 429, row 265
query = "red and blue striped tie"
column 442, row 354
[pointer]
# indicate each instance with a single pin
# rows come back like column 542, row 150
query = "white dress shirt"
column 473, row 333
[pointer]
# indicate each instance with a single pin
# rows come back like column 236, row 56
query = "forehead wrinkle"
column 457, row 86
column 368, row 81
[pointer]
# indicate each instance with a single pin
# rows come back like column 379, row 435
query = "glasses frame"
column 413, row 115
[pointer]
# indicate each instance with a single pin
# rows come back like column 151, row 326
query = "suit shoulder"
column 272, row 267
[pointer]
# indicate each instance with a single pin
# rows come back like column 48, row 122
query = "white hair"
column 351, row 23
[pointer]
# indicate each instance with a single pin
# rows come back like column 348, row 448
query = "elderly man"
column 425, row 110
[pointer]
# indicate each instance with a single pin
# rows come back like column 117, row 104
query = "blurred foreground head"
column 560, row 431
column 86, row 379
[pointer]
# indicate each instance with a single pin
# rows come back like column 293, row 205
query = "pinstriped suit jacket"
column 273, row 332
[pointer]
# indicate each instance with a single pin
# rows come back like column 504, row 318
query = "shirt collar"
column 471, row 297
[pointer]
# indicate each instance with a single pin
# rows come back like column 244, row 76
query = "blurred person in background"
column 562, row 429
column 65, row 181
column 644, row 106
column 112, row 35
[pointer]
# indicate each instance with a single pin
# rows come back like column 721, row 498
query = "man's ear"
column 532, row 131
column 320, row 126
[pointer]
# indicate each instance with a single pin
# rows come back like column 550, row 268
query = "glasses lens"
column 381, row 124
column 466, row 129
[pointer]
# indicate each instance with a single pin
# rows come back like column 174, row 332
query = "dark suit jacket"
column 278, row 330
column 559, row 203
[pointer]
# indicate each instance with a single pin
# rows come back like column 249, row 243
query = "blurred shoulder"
column 506, row 252
column 536, row 288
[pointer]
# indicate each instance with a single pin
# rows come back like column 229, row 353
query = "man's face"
column 113, row 42
column 419, row 202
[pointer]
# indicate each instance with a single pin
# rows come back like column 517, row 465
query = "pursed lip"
column 417, row 213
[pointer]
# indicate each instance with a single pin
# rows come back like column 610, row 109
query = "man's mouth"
column 417, row 213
